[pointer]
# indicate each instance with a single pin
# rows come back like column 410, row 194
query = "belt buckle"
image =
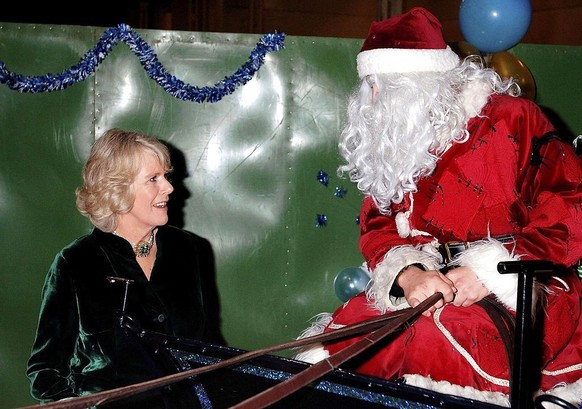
column 446, row 245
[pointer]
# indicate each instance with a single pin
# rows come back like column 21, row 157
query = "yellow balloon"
column 507, row 65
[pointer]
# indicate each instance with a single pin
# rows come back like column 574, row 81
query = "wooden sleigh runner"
column 215, row 377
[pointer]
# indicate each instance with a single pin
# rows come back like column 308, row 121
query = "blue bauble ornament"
column 494, row 25
column 350, row 282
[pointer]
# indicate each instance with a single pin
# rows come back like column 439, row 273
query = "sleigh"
column 215, row 377
column 227, row 387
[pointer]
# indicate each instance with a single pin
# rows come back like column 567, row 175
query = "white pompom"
column 402, row 224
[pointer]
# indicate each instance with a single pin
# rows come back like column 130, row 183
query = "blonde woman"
column 131, row 261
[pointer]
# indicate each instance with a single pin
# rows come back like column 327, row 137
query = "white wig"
column 391, row 142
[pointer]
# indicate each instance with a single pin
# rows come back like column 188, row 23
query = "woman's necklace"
column 143, row 247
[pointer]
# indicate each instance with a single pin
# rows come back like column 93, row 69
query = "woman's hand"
column 470, row 288
column 418, row 285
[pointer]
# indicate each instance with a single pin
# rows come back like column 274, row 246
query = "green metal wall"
column 251, row 159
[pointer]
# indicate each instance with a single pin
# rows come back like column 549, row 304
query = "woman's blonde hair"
column 108, row 175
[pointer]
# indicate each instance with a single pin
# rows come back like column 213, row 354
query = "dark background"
column 553, row 21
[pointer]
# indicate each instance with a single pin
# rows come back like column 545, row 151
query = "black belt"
column 450, row 249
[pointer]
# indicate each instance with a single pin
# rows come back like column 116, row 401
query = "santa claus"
column 458, row 174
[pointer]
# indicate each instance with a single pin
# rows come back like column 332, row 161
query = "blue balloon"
column 494, row 25
column 350, row 282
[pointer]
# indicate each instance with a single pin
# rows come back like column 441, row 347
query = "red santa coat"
column 513, row 176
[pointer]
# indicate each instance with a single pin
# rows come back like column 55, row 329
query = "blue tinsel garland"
column 149, row 60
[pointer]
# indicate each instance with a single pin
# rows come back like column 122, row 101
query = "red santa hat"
column 411, row 42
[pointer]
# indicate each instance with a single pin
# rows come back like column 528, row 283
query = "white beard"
column 393, row 143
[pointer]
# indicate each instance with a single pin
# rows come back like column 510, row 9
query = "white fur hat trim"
column 400, row 60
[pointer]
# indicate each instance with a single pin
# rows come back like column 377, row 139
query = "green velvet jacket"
column 78, row 349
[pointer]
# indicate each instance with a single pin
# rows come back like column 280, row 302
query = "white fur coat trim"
column 448, row 388
column 482, row 257
column 315, row 352
column 312, row 355
column 386, row 271
column 571, row 393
